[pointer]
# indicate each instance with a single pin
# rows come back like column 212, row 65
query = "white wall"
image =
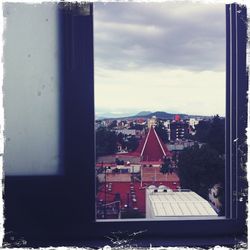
column 30, row 89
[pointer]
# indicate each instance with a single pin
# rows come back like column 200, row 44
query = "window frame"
column 51, row 210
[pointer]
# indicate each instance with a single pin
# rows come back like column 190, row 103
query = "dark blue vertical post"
column 77, row 106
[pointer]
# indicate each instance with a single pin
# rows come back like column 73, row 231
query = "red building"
column 151, row 149
column 130, row 185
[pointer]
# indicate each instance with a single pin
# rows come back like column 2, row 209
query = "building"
column 178, row 130
column 132, row 194
column 150, row 149
column 178, row 146
column 162, row 203
column 193, row 122
column 167, row 126
column 128, row 175
column 126, row 131
column 138, row 132
column 152, row 122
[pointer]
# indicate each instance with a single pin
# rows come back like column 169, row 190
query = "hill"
column 158, row 114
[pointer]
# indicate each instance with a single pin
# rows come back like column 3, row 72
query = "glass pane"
column 160, row 110
column 31, row 89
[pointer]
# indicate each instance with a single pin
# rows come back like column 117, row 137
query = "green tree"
column 165, row 167
column 121, row 139
column 200, row 168
column 113, row 124
column 132, row 143
column 105, row 142
column 212, row 132
column 175, row 157
column 161, row 131
column 202, row 130
column 221, row 197
column 97, row 183
column 216, row 134
column 136, row 126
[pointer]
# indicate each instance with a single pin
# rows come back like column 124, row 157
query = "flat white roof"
column 179, row 204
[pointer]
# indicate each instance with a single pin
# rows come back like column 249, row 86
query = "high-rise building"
column 178, row 130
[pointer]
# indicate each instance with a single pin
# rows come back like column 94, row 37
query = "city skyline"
column 159, row 57
column 132, row 113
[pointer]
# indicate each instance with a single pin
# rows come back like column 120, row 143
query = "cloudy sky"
column 159, row 57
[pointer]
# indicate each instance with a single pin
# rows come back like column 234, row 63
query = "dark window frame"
column 51, row 210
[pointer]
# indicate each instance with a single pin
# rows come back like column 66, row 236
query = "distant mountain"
column 161, row 115
column 170, row 116
column 157, row 114
column 144, row 113
column 147, row 114
column 110, row 115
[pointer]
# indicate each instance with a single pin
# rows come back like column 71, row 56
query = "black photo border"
column 60, row 210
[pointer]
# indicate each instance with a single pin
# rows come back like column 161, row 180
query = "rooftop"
column 166, row 204
column 123, row 188
column 151, row 148
column 154, row 174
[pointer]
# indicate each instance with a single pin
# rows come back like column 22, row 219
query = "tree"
column 165, row 168
column 216, row 134
column 175, row 157
column 132, row 143
column 97, row 183
column 212, row 133
column 105, row 142
column 121, row 140
column 136, row 126
column 202, row 130
column 200, row 168
column 113, row 124
column 161, row 131
column 221, row 198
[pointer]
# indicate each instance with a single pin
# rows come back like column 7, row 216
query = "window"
column 63, row 207
column 154, row 64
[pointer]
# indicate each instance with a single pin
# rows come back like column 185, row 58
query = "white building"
column 126, row 131
column 193, row 122
column 162, row 202
column 152, row 121
column 167, row 126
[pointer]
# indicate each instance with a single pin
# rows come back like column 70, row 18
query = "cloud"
column 166, row 90
column 159, row 35
column 160, row 56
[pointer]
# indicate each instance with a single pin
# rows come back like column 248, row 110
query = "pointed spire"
column 152, row 148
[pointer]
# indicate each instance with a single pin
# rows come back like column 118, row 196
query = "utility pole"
column 155, row 175
column 119, row 210
column 128, row 201
column 133, row 174
column 105, row 193
column 141, row 175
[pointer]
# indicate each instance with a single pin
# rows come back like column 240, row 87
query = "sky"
column 167, row 56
